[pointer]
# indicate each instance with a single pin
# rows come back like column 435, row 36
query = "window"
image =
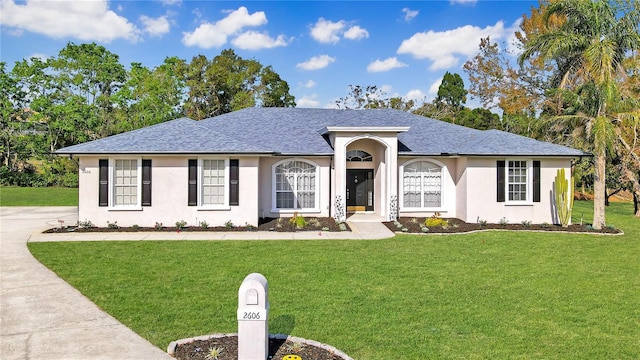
column 124, row 183
column 359, row 155
column 422, row 185
column 295, row 183
column 213, row 181
column 519, row 180
column 208, row 185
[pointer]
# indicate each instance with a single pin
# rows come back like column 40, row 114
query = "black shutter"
column 501, row 184
column 233, row 182
column 146, row 182
column 536, row 181
column 103, row 187
column 193, row 182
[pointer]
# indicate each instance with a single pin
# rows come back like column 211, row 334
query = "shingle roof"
column 299, row 131
column 176, row 136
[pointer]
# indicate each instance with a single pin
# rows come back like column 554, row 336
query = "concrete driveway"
column 43, row 317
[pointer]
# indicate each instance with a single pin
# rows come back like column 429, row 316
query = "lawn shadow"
column 282, row 324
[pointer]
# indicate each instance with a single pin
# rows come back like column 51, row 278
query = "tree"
column 150, row 96
column 273, row 91
column 451, row 94
column 89, row 75
column 11, row 106
column 370, row 97
column 588, row 48
column 228, row 83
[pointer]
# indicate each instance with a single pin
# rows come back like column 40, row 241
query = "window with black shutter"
column 146, row 182
column 234, row 189
column 103, row 187
column 193, row 182
column 536, row 181
column 501, row 184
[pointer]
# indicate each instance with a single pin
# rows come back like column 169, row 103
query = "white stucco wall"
column 266, row 207
column 169, row 195
column 449, row 187
column 461, row 181
column 480, row 193
column 386, row 153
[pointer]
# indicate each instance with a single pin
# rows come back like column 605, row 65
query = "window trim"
column 443, row 188
column 529, row 182
column 274, row 208
column 200, row 185
column 112, row 184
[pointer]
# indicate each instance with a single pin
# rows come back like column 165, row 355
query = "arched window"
column 295, row 185
column 422, row 185
column 358, row 155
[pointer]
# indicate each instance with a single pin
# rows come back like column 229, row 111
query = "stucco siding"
column 266, row 206
column 461, row 181
column 481, row 193
column 169, row 189
column 449, row 190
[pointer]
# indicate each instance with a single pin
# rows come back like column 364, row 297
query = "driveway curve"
column 43, row 317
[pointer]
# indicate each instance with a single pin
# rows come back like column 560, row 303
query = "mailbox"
column 253, row 313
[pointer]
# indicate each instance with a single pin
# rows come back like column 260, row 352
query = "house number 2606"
column 251, row 316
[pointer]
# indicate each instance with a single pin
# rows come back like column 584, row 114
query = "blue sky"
column 318, row 47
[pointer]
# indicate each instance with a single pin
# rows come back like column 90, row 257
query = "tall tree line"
column 85, row 93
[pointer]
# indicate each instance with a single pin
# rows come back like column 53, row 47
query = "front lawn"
column 490, row 295
column 38, row 196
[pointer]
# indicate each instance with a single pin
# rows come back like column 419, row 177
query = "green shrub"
column 181, row 224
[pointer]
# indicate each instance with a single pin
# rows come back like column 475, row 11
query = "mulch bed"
column 415, row 225
column 278, row 349
column 266, row 224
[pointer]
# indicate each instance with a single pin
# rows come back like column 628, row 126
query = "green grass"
column 38, row 196
column 491, row 295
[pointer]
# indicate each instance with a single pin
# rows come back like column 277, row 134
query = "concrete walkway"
column 43, row 317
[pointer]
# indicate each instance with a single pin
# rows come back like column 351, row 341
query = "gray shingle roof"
column 299, row 131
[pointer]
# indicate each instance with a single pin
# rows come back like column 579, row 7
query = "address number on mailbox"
column 252, row 315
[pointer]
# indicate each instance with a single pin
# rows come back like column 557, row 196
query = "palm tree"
column 588, row 49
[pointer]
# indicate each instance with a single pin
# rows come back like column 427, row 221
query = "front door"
column 359, row 190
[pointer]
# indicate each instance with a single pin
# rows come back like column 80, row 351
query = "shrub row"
column 29, row 178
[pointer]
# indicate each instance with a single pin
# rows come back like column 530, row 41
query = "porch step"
column 365, row 217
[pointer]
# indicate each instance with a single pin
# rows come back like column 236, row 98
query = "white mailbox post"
column 253, row 312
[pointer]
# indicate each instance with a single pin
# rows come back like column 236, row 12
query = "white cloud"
column 316, row 62
column 170, row 2
column 326, row 31
column 386, row 88
column 40, row 56
column 329, row 32
column 445, row 48
column 209, row 35
column 415, row 94
column 385, row 65
column 410, row 14
column 356, row 33
column 309, row 84
column 433, row 89
column 308, row 101
column 463, row 2
column 155, row 27
column 84, row 20
column 512, row 42
column 253, row 40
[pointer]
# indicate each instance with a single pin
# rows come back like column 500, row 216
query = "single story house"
column 271, row 162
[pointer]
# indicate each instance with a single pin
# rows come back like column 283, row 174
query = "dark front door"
column 359, row 190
